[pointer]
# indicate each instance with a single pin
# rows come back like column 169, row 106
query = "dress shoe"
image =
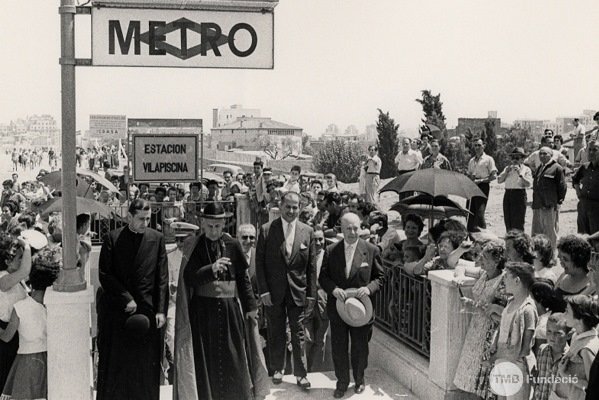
column 359, row 388
column 277, row 377
column 303, row 382
column 339, row 393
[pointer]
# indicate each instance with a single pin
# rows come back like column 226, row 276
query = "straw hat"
column 355, row 311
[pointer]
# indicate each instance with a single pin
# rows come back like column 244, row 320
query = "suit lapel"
column 359, row 256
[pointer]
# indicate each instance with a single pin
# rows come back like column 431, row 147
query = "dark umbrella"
column 432, row 128
column 84, row 206
column 436, row 182
column 427, row 206
column 85, row 178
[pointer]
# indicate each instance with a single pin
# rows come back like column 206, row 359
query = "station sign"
column 165, row 158
column 182, row 38
column 108, row 126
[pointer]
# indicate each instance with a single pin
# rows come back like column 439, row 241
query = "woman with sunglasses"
column 15, row 265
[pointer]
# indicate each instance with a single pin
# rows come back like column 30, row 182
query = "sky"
column 336, row 61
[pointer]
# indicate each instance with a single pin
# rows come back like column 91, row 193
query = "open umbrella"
column 84, row 206
column 432, row 207
column 436, row 182
column 84, row 181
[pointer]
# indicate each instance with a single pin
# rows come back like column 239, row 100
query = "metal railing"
column 162, row 216
column 403, row 308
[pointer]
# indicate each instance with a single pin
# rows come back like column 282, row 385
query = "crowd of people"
column 223, row 317
column 28, row 159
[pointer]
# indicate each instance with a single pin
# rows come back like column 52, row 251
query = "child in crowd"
column 543, row 293
column 519, row 318
column 549, row 356
column 412, row 254
column 582, row 314
column 28, row 376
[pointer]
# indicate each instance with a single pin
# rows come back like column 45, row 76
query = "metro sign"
column 182, row 38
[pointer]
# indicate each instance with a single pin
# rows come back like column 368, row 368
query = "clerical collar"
column 134, row 232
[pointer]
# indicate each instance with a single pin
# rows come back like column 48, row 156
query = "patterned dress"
column 472, row 372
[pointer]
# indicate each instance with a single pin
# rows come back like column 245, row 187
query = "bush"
column 339, row 157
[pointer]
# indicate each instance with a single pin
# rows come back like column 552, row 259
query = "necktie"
column 348, row 260
column 288, row 241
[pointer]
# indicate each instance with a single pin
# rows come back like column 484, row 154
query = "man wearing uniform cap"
column 351, row 272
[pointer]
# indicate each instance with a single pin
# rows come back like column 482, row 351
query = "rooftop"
column 256, row 123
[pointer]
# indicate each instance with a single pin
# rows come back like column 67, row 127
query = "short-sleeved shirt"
column 373, row 165
column 513, row 326
column 515, row 180
column 587, row 176
column 482, row 167
column 408, row 161
column 32, row 326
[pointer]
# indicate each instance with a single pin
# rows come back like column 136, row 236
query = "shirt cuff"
column 265, row 294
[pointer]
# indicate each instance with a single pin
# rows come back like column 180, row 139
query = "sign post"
column 70, row 279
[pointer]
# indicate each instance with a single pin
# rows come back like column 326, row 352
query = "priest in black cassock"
column 211, row 357
column 131, row 309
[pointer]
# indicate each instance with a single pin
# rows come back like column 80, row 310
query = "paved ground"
column 380, row 386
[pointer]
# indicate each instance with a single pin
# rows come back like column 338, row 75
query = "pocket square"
column 364, row 264
column 303, row 246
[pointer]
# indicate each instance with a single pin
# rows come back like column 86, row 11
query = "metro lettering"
column 155, row 37
column 133, row 32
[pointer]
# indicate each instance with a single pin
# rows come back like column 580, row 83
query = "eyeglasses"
column 248, row 237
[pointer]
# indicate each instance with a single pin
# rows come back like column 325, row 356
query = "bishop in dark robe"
column 133, row 271
column 211, row 356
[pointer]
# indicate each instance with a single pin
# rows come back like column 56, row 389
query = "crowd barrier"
column 403, row 308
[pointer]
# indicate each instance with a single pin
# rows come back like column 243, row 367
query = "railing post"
column 448, row 329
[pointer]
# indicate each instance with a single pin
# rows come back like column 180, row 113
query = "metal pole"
column 71, row 279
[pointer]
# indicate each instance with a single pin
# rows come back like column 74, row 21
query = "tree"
column 339, row 157
column 276, row 150
column 432, row 107
column 388, row 143
column 306, row 143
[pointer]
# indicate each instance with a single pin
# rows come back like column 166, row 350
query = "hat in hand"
column 35, row 239
column 137, row 325
column 355, row 311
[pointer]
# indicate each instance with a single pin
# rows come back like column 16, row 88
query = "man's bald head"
column 545, row 154
column 350, row 227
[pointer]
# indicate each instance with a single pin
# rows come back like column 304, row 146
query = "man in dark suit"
column 548, row 192
column 355, row 264
column 133, row 271
column 286, row 276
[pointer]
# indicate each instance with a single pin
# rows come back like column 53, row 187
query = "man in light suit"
column 286, row 276
column 355, row 264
